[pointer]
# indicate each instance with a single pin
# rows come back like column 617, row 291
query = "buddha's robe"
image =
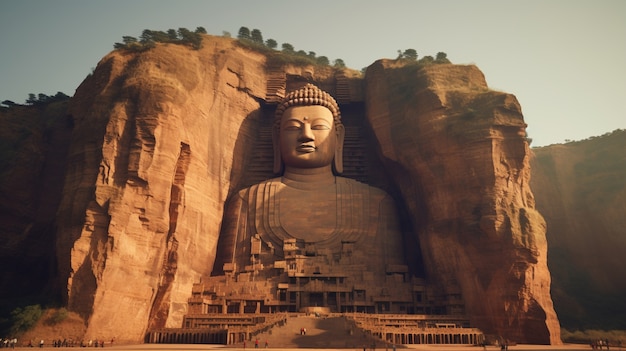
column 343, row 221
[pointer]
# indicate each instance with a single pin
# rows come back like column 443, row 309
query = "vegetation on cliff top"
column 288, row 55
column 149, row 38
column 253, row 40
column 39, row 100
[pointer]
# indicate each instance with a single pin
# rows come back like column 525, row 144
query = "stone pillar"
column 241, row 305
column 325, row 298
column 258, row 307
column 338, row 294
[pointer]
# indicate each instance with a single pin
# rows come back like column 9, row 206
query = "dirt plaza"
column 196, row 347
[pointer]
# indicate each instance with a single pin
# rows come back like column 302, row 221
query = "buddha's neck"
column 309, row 175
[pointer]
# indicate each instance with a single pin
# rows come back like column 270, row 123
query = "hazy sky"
column 564, row 60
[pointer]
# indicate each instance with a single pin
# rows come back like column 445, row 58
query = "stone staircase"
column 342, row 86
column 262, row 162
column 276, row 83
column 354, row 155
column 321, row 333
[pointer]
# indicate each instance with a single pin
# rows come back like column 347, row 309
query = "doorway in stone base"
column 332, row 302
column 316, row 299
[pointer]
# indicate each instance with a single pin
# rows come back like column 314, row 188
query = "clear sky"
column 565, row 60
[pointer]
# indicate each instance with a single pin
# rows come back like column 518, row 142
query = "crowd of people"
column 8, row 342
column 12, row 343
column 602, row 344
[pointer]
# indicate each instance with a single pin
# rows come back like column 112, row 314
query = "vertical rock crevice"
column 160, row 307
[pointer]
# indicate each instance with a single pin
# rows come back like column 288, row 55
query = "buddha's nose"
column 305, row 133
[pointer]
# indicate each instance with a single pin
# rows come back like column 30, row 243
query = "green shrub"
column 23, row 319
column 58, row 316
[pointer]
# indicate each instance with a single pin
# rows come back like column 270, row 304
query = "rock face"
column 580, row 188
column 163, row 138
column 461, row 160
column 33, row 154
column 150, row 167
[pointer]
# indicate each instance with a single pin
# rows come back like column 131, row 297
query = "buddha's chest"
column 325, row 215
column 308, row 215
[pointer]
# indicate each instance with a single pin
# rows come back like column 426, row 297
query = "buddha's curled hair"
column 308, row 95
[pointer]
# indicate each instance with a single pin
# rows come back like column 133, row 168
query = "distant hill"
column 580, row 189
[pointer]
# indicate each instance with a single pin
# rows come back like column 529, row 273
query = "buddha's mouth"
column 306, row 148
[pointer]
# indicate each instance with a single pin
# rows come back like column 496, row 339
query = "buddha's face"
column 307, row 137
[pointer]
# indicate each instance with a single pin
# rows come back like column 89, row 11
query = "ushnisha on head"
column 308, row 95
column 299, row 107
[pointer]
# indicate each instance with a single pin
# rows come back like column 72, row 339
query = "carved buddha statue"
column 334, row 224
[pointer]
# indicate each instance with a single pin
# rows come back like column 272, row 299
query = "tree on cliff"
column 271, row 43
column 323, row 60
column 288, row 48
column 128, row 42
column 427, row 59
column 442, row 57
column 172, row 34
column 149, row 38
column 146, row 36
column 410, row 54
column 338, row 63
column 244, row 33
column 188, row 37
column 43, row 99
column 256, row 36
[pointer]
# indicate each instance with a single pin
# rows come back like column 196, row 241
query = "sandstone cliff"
column 33, row 153
column 459, row 153
column 162, row 138
column 580, row 188
column 149, row 171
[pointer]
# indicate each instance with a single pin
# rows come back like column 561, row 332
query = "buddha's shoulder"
column 259, row 186
column 363, row 188
column 347, row 184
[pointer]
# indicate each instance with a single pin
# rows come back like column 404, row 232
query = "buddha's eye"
column 292, row 126
column 320, row 127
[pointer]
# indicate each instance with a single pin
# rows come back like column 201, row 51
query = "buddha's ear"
column 278, row 161
column 338, row 160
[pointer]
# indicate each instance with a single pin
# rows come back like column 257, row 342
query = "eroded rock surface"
column 580, row 189
column 462, row 161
